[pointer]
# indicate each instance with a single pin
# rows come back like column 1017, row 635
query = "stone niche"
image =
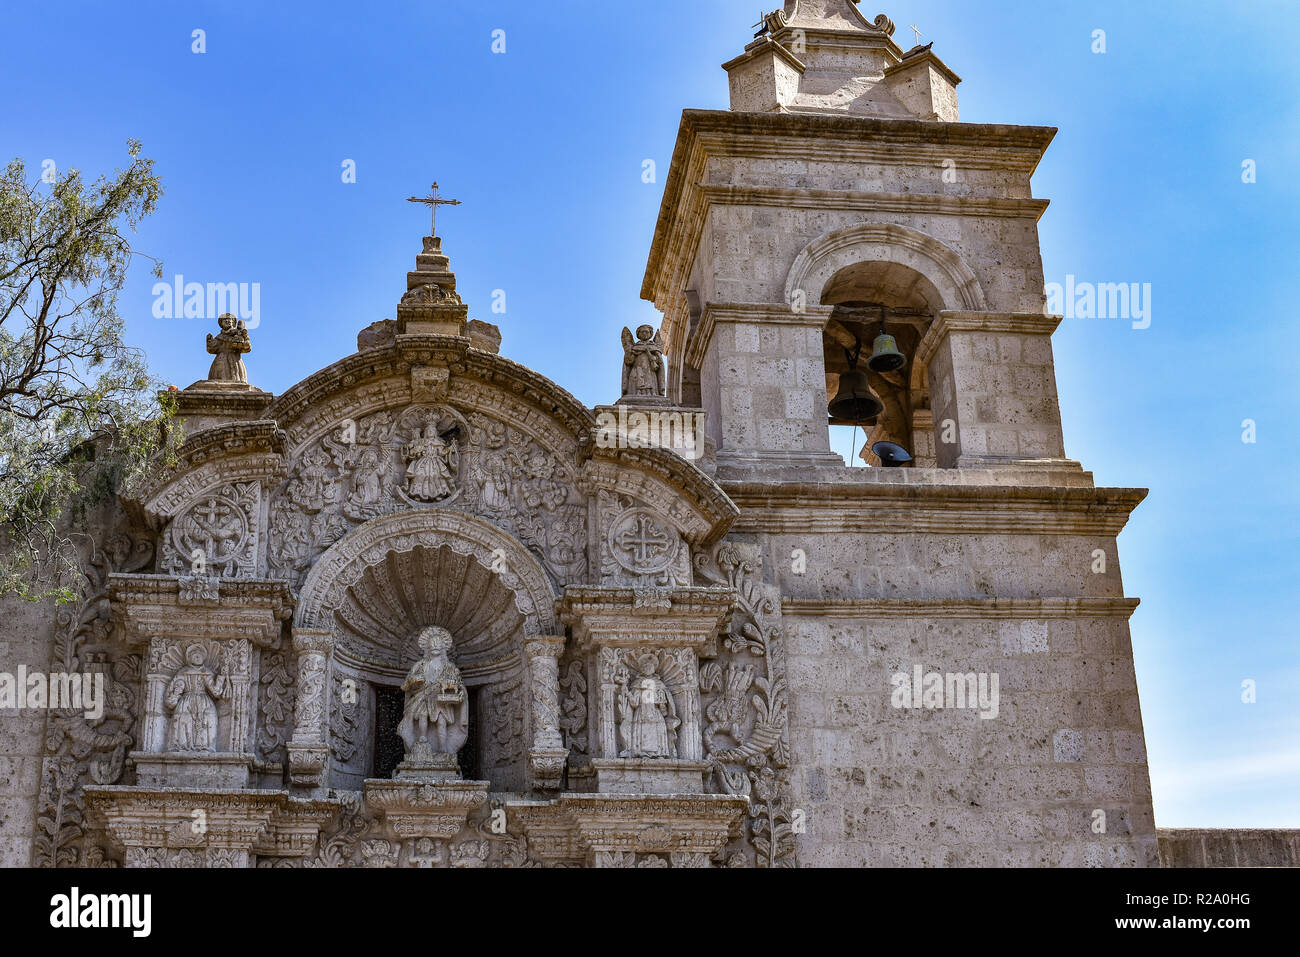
column 201, row 640
column 642, row 649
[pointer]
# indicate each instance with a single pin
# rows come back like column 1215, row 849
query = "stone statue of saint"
column 430, row 476
column 228, row 345
column 367, row 480
column 191, row 698
column 643, row 363
column 649, row 717
column 492, row 476
column 435, row 719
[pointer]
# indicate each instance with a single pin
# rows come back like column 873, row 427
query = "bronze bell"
column 885, row 356
column 854, row 401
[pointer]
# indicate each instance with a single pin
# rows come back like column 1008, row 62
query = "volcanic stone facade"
column 732, row 652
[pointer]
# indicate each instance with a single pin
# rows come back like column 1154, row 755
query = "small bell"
column 885, row 356
column 854, row 401
column 891, row 456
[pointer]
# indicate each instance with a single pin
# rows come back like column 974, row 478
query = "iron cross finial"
column 433, row 201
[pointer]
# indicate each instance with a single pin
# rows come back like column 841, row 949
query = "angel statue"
column 643, row 363
column 435, row 719
column 430, row 476
column 649, row 719
column 228, row 345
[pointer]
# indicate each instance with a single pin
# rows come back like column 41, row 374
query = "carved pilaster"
column 309, row 748
column 547, row 755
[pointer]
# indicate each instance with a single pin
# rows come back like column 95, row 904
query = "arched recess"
column 876, row 271
column 828, row 254
column 374, row 589
column 345, row 565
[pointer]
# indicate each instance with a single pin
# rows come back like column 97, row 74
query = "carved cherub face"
column 645, row 333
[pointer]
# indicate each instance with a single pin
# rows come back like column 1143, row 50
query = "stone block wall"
column 765, row 377
column 1229, row 847
column 994, row 388
column 26, row 638
column 886, row 786
column 884, row 571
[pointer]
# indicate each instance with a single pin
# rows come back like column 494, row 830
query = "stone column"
column 154, row 734
column 309, row 749
column 993, row 390
column 763, row 384
column 547, row 755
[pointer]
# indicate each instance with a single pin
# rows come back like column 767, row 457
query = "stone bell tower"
column 840, row 233
column 841, row 191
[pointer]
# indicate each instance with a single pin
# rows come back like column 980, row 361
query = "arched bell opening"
column 878, row 390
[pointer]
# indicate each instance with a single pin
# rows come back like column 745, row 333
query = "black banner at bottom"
column 341, row 907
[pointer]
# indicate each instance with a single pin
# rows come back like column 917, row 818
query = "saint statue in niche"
column 430, row 474
column 191, row 698
column 228, row 345
column 643, row 363
column 648, row 719
column 435, row 719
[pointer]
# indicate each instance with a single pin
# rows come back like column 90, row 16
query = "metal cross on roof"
column 918, row 33
column 433, row 201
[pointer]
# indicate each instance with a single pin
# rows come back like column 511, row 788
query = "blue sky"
column 545, row 145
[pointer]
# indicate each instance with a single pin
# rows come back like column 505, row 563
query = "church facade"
column 427, row 609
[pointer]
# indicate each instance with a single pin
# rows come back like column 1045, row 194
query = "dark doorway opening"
column 469, row 756
column 389, row 749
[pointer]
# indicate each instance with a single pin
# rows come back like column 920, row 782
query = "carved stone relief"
column 197, row 696
column 573, row 706
column 216, row 536
column 745, row 704
column 639, row 546
column 428, row 456
column 649, row 703
column 81, row 750
column 275, row 701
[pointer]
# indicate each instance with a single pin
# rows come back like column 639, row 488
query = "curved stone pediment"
column 441, row 367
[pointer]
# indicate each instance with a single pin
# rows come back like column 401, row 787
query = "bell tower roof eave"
column 718, row 132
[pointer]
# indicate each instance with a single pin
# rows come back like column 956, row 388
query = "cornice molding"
column 921, row 203
column 887, row 508
column 961, row 608
column 853, row 139
column 1006, row 323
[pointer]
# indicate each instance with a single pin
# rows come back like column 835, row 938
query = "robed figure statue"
column 435, row 719
column 228, row 346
